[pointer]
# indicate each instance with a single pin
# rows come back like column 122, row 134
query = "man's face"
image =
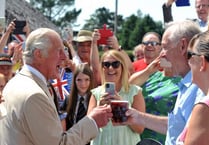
column 202, row 9
column 171, row 52
column 7, row 71
column 152, row 47
column 2, row 83
column 51, row 63
column 84, row 49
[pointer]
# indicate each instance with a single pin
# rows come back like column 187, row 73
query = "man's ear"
column 184, row 45
column 37, row 53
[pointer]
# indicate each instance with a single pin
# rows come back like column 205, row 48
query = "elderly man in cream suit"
column 32, row 118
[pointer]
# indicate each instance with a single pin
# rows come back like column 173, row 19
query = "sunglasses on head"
column 152, row 43
column 114, row 64
column 190, row 54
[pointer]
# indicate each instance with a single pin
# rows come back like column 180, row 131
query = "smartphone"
column 110, row 88
column 19, row 25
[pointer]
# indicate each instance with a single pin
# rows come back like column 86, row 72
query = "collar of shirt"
column 186, row 81
column 35, row 71
column 202, row 23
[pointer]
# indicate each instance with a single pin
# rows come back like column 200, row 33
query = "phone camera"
column 107, row 85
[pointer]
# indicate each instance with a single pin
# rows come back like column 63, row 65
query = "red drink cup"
column 119, row 108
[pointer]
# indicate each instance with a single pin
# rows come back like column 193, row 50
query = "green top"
column 117, row 135
column 160, row 94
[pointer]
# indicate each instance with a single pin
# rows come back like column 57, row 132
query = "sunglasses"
column 114, row 64
column 190, row 54
column 153, row 43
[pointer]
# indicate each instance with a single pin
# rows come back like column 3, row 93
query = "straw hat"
column 84, row 35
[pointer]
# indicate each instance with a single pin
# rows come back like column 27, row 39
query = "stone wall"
column 22, row 10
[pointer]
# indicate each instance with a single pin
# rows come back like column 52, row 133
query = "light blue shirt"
column 189, row 94
column 203, row 25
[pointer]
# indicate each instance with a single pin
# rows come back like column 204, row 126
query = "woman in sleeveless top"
column 115, row 70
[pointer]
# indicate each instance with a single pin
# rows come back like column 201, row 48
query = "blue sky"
column 128, row 7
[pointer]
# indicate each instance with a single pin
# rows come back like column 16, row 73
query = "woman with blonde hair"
column 114, row 69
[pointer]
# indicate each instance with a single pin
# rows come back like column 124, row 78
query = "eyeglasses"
column 153, row 43
column 202, row 5
column 114, row 64
column 190, row 54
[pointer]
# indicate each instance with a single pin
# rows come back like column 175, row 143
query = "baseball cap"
column 5, row 59
column 84, row 35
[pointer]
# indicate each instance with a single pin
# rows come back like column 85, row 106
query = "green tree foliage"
column 143, row 25
column 103, row 16
column 128, row 27
column 58, row 11
column 129, row 30
column 135, row 27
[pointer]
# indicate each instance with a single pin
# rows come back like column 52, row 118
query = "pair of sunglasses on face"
column 152, row 43
column 114, row 64
column 190, row 54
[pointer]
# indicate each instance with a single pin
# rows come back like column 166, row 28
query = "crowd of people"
column 53, row 87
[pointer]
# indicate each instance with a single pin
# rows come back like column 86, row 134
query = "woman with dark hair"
column 80, row 94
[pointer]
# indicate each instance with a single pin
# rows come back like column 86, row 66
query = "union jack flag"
column 19, row 37
column 62, row 86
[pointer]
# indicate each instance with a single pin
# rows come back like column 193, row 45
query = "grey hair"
column 38, row 39
column 182, row 29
